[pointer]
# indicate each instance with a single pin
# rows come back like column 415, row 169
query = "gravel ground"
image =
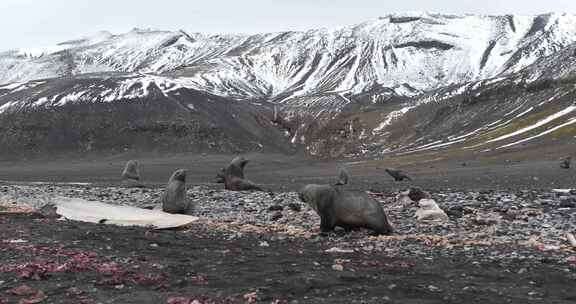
column 485, row 225
column 258, row 247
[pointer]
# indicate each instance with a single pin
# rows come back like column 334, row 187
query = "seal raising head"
column 174, row 198
column 233, row 176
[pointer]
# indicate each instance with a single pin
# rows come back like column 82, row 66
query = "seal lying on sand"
column 174, row 198
column 234, row 176
column 398, row 175
column 344, row 208
column 131, row 175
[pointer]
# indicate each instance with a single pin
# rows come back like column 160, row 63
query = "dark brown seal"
column 131, row 175
column 337, row 206
column 234, row 176
column 174, row 198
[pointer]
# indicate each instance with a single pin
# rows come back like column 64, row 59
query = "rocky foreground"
column 486, row 225
column 496, row 247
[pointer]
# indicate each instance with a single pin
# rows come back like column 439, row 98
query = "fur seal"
column 234, row 176
column 236, row 167
column 398, row 175
column 342, row 177
column 565, row 164
column 344, row 208
column 174, row 198
column 131, row 175
column 219, row 179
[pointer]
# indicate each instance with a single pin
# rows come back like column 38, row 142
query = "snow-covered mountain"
column 402, row 83
column 425, row 51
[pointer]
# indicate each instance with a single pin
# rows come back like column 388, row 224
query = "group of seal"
column 336, row 205
column 174, row 199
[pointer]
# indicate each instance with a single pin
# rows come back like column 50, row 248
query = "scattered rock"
column 571, row 239
column 38, row 297
column 567, row 202
column 22, row 290
column 49, row 211
column 433, row 288
column 295, row 207
column 416, row 194
column 275, row 208
column 476, row 218
column 455, row 211
column 487, row 219
column 276, row 216
column 430, row 212
column 339, row 250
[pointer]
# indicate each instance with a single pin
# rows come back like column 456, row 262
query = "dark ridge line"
column 538, row 25
column 170, row 41
column 404, row 19
column 426, row 44
column 486, row 54
column 510, row 19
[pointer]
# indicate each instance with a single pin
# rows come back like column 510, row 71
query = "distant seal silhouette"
column 398, row 175
column 219, row 179
column 174, row 198
column 342, row 177
column 234, row 176
column 131, row 175
column 565, row 164
column 236, row 167
column 337, row 206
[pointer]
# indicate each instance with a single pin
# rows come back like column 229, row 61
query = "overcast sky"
column 30, row 23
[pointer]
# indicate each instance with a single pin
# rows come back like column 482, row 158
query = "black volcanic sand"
column 288, row 173
column 70, row 262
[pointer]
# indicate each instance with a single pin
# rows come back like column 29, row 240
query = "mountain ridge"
column 405, row 83
column 417, row 49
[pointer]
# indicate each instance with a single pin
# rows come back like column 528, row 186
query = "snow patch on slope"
column 536, row 125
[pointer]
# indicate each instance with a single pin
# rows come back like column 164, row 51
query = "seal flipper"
column 325, row 225
column 327, row 219
column 246, row 185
